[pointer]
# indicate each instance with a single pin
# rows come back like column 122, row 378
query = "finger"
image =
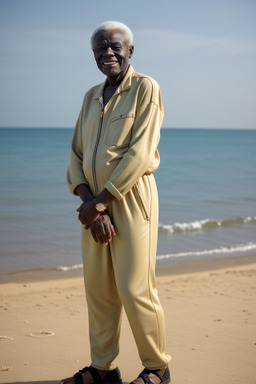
column 86, row 224
column 108, row 227
column 101, row 234
column 108, row 232
column 113, row 230
column 79, row 209
column 94, row 235
column 80, row 218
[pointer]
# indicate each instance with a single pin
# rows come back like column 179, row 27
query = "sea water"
column 207, row 193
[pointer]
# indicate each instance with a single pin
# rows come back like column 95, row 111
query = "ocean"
column 207, row 191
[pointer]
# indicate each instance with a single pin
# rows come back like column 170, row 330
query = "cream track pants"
column 123, row 274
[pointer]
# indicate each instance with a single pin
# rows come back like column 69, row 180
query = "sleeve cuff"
column 112, row 189
column 72, row 187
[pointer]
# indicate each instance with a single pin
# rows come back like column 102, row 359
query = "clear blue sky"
column 201, row 52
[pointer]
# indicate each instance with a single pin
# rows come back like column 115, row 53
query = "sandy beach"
column 210, row 309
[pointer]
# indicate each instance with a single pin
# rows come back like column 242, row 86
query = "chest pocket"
column 119, row 130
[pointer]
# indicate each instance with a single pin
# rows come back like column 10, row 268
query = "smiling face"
column 112, row 53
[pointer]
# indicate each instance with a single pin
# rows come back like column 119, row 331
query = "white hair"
column 108, row 25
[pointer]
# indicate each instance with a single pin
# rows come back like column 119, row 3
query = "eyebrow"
column 101, row 43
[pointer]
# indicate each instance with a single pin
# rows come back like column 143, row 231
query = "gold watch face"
column 100, row 207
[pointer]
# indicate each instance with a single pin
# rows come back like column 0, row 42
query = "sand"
column 210, row 310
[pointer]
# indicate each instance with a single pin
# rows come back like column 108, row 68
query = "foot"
column 148, row 376
column 86, row 377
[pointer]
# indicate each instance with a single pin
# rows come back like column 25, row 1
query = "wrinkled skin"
column 112, row 53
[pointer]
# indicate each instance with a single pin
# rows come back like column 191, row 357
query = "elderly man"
column 113, row 157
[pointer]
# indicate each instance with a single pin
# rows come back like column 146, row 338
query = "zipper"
column 95, row 150
column 141, row 203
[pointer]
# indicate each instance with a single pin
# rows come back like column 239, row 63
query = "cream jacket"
column 113, row 146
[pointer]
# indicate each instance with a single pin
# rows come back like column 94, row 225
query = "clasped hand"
column 101, row 227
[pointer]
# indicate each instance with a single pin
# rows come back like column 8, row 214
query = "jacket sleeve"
column 75, row 174
column 142, row 156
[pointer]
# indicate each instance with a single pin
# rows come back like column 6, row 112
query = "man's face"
column 112, row 53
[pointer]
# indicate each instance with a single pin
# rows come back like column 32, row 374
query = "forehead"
column 112, row 35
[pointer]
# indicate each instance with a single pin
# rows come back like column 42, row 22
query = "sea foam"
column 65, row 268
column 207, row 252
column 200, row 225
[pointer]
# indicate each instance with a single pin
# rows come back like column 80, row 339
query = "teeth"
column 110, row 62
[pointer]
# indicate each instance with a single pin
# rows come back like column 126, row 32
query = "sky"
column 201, row 52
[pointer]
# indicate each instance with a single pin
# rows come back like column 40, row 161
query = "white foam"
column 226, row 249
column 199, row 225
column 65, row 268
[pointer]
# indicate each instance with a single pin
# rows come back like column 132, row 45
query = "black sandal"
column 112, row 377
column 165, row 379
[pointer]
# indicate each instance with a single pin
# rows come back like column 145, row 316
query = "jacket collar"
column 124, row 86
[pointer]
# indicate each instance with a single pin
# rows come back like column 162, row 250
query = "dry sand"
column 210, row 310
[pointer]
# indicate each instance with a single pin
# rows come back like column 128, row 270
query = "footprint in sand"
column 40, row 334
column 6, row 337
column 3, row 369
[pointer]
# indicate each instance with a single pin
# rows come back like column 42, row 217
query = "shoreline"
column 180, row 267
column 210, row 317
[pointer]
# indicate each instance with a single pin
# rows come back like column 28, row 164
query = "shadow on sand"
column 41, row 382
column 33, row 382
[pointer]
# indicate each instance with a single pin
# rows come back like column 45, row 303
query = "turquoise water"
column 207, row 190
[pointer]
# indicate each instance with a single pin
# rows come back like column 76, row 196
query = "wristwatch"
column 100, row 207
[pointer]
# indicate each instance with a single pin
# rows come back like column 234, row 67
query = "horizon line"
column 70, row 127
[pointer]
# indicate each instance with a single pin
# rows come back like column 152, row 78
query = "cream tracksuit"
column 115, row 147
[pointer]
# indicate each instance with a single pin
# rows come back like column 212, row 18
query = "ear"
column 131, row 50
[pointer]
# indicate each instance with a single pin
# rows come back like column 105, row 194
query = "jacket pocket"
column 140, row 202
column 119, row 130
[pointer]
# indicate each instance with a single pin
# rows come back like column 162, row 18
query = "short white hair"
column 108, row 25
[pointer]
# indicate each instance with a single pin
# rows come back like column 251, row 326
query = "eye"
column 116, row 47
column 98, row 48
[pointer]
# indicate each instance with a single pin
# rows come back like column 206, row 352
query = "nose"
column 108, row 51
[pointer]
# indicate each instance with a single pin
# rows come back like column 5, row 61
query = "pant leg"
column 104, row 306
column 133, row 253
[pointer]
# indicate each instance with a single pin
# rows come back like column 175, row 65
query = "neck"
column 112, row 81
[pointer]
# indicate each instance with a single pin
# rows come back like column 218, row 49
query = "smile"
column 109, row 62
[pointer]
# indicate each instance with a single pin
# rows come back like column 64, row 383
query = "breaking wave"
column 222, row 250
column 65, row 268
column 227, row 250
column 201, row 225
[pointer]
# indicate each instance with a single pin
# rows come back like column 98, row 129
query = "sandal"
column 165, row 379
column 112, row 377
